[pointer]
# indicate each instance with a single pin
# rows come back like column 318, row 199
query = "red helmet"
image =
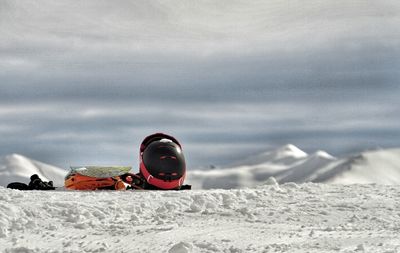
column 162, row 163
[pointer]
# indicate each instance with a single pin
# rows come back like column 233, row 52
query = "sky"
column 83, row 82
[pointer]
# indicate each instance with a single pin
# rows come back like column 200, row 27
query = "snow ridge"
column 18, row 168
column 283, row 155
column 287, row 164
column 290, row 164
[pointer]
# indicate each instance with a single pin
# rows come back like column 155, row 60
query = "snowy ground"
column 270, row 218
column 291, row 217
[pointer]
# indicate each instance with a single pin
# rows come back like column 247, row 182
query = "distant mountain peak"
column 323, row 154
column 292, row 149
column 290, row 164
column 17, row 157
column 14, row 156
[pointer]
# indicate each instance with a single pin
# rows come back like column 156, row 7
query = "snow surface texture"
column 286, row 164
column 269, row 218
column 290, row 164
column 289, row 217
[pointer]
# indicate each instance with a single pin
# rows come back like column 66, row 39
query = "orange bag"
column 76, row 181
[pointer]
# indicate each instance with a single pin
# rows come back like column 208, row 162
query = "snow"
column 290, row 164
column 268, row 218
column 283, row 155
column 379, row 166
column 18, row 168
column 286, row 164
column 268, row 206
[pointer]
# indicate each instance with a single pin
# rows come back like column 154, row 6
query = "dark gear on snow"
column 35, row 184
column 18, row 186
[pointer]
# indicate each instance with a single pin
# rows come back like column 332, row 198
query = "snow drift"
column 291, row 217
column 18, row 168
column 290, row 164
column 270, row 217
column 285, row 164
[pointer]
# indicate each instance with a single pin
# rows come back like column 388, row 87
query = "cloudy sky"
column 83, row 82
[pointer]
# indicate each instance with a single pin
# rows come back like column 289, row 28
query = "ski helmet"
column 162, row 163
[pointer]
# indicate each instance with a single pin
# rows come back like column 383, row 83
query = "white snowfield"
column 290, row 164
column 269, row 218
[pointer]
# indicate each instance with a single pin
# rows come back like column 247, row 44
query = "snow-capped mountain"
column 18, row 168
column 285, row 164
column 284, row 155
column 290, row 164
